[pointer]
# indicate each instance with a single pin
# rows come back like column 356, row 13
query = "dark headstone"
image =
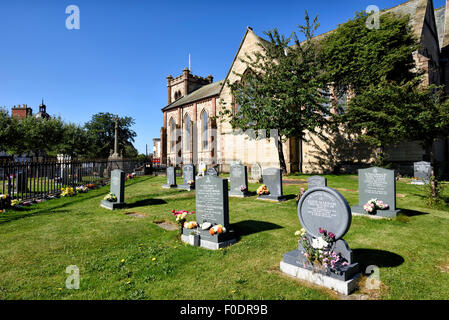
column 118, row 189
column 316, row 181
column 422, row 171
column 212, row 172
column 188, row 174
column 171, row 178
column 377, row 183
column 325, row 208
column 239, row 179
column 272, row 178
column 212, row 206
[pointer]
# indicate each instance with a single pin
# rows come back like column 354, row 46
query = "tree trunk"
column 281, row 156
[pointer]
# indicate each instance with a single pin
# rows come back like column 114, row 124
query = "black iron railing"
column 39, row 179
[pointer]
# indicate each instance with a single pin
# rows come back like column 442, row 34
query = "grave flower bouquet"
column 15, row 203
column 82, row 189
column 110, row 197
column 318, row 251
column 4, row 201
column 373, row 205
column 181, row 217
column 191, row 182
column 67, row 192
column 263, row 190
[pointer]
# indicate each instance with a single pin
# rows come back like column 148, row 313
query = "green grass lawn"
column 125, row 257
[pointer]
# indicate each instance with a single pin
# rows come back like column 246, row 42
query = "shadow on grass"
column 379, row 258
column 247, row 227
column 411, row 213
column 145, row 202
column 290, row 196
column 31, row 211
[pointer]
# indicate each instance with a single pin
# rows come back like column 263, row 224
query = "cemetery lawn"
column 121, row 256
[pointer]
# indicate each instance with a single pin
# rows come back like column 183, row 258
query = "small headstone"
column 212, row 172
column 256, row 173
column 377, row 183
column 188, row 176
column 202, row 168
column 171, row 178
column 118, row 189
column 212, row 207
column 326, row 217
column 422, row 171
column 316, row 181
column 239, row 181
column 272, row 178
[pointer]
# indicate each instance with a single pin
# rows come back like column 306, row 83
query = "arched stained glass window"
column 172, row 134
column 205, row 134
column 187, row 133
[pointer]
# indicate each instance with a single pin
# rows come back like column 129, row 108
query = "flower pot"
column 194, row 240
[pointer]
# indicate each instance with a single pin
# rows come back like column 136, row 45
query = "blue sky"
column 120, row 57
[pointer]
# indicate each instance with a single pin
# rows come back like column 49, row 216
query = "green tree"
column 355, row 57
column 282, row 88
column 428, row 121
column 8, row 131
column 376, row 67
column 101, row 129
column 76, row 141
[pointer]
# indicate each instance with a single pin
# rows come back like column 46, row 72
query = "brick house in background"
column 193, row 103
column 24, row 112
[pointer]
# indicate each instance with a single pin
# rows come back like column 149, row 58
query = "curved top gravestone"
column 256, row 171
column 326, row 208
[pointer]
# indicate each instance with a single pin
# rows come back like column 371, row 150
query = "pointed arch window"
column 187, row 133
column 205, row 131
column 172, row 135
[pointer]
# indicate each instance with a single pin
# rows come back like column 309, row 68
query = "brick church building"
column 191, row 133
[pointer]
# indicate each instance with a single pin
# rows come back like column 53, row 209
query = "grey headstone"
column 326, row 208
column 377, row 183
column 238, row 177
column 118, row 184
column 272, row 178
column 212, row 204
column 256, row 172
column 422, row 171
column 188, row 172
column 171, row 178
column 118, row 189
column 316, row 181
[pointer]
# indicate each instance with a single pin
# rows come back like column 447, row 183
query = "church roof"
column 205, row 91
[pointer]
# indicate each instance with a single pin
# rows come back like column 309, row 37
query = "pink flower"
column 331, row 235
column 321, row 230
